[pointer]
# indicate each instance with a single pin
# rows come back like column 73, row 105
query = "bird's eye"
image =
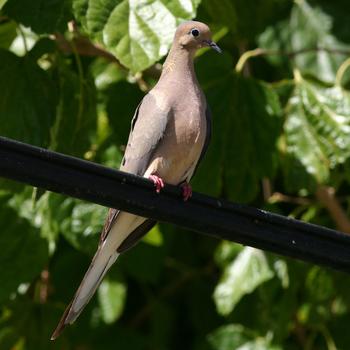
column 195, row 32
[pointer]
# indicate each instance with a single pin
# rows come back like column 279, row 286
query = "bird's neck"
column 179, row 63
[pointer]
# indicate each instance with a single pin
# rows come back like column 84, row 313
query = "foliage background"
column 72, row 73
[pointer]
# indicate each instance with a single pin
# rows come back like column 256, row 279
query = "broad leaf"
column 223, row 11
column 42, row 16
column 215, row 74
column 111, row 298
column 139, row 33
column 84, row 224
column 23, row 252
column 317, row 131
column 242, row 276
column 76, row 118
column 2, row 3
column 154, row 237
column 308, row 29
column 235, row 336
column 122, row 101
column 237, row 15
column 8, row 33
column 44, row 213
column 251, row 137
column 27, row 109
column 244, row 134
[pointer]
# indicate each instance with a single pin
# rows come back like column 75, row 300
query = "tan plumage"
column 170, row 132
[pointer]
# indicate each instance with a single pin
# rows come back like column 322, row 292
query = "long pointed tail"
column 92, row 279
column 106, row 255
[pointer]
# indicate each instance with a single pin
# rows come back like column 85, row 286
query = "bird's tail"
column 92, row 279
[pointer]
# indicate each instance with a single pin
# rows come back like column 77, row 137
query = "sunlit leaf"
column 235, row 336
column 84, row 224
column 111, row 298
column 154, row 237
column 242, row 276
column 318, row 129
column 226, row 252
column 308, row 29
column 139, row 33
column 2, row 3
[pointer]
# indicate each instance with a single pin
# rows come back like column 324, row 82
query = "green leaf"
column 42, row 16
column 237, row 15
column 235, row 336
column 244, row 134
column 319, row 285
column 31, row 324
column 122, row 100
column 251, row 137
column 8, row 338
column 76, row 119
column 214, row 72
column 45, row 213
column 84, row 224
column 226, row 252
column 27, row 109
column 23, row 252
column 317, row 130
column 112, row 157
column 154, row 237
column 242, row 276
column 8, row 33
column 139, row 33
column 106, row 73
column 223, row 11
column 2, row 3
column 111, row 298
column 143, row 263
column 309, row 29
column 228, row 337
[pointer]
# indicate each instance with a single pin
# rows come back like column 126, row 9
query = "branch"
column 290, row 54
column 84, row 47
column 326, row 195
column 211, row 216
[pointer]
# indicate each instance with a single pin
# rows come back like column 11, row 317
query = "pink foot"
column 158, row 182
column 186, row 191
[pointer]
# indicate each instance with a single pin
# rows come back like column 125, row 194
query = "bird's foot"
column 158, row 182
column 186, row 191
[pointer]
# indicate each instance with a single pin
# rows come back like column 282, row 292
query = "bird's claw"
column 158, row 182
column 186, row 191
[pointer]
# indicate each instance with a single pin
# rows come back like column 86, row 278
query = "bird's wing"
column 207, row 136
column 147, row 129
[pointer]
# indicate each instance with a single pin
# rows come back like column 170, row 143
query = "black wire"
column 214, row 217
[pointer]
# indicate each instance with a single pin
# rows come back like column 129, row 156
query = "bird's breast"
column 183, row 143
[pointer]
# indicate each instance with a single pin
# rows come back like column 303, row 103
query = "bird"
column 169, row 135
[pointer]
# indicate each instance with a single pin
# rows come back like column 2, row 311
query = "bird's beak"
column 213, row 45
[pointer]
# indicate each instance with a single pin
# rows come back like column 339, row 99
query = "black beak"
column 213, row 45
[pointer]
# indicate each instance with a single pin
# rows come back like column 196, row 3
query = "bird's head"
column 193, row 35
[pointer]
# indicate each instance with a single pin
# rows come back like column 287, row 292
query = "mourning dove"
column 169, row 135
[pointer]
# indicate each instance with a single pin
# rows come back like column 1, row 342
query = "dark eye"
column 195, row 32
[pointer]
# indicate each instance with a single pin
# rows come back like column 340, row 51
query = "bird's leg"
column 158, row 182
column 186, row 190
